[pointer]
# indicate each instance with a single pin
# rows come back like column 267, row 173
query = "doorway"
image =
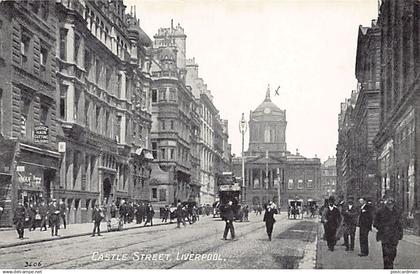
column 107, row 188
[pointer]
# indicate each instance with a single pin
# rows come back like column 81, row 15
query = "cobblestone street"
column 290, row 247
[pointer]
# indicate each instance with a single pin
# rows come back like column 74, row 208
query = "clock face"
column 267, row 110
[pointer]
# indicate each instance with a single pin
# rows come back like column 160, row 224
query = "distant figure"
column 390, row 231
column 149, row 214
column 54, row 217
column 228, row 217
column 97, row 216
column 332, row 221
column 19, row 219
column 350, row 215
column 43, row 211
column 365, row 225
column 63, row 212
column 269, row 219
column 179, row 215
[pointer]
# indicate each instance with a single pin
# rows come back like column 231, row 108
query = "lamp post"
column 242, row 130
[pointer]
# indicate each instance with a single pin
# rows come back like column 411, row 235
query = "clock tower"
column 267, row 129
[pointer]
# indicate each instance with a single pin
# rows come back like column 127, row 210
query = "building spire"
column 267, row 95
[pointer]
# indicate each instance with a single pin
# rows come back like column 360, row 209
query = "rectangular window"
column 290, row 184
column 43, row 56
column 107, row 122
column 87, row 112
column 98, row 71
column 63, row 41
column 162, row 94
column 24, row 47
column 76, row 47
column 87, row 62
column 163, row 124
column 108, row 73
column 24, row 116
column 97, row 118
column 154, row 150
column 154, row 193
column 44, row 115
column 163, row 153
column 172, row 154
column 162, row 195
column 119, row 86
column 76, row 104
column 172, row 124
column 154, row 96
column 172, row 95
column 63, row 94
column 300, row 184
column 310, row 183
column 118, row 128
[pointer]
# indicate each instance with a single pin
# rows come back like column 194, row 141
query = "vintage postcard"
column 207, row 134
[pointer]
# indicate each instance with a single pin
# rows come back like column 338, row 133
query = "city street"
column 293, row 246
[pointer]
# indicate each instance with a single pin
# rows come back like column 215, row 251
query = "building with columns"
column 270, row 170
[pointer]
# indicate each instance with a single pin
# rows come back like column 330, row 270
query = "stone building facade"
column 398, row 138
column 28, row 108
column 270, row 170
column 329, row 178
column 80, row 116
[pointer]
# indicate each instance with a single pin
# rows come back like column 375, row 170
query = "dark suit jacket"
column 366, row 217
column 228, row 213
column 96, row 215
column 269, row 216
column 388, row 223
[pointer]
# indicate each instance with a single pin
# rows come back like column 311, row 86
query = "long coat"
column 97, row 215
column 228, row 213
column 54, row 214
column 350, row 219
column 388, row 223
column 19, row 217
column 366, row 217
column 333, row 219
column 269, row 216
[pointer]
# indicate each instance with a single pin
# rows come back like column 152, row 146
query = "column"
column 261, row 178
column 69, row 175
column 123, row 129
column 251, row 181
column 270, row 181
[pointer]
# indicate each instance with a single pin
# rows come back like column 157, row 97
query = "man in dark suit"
column 97, row 216
column 332, row 221
column 19, row 218
column 365, row 225
column 390, row 231
column 350, row 214
column 269, row 219
column 43, row 211
column 54, row 217
column 228, row 216
column 150, row 212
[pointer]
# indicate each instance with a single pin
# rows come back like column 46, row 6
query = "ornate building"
column 173, row 106
column 272, row 171
column 80, row 116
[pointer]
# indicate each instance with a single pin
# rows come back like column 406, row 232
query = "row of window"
column 161, row 197
column 163, row 95
column 167, row 153
column 291, row 184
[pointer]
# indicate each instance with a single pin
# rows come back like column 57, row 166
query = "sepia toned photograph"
column 209, row 134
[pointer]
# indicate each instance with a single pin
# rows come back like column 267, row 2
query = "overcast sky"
column 306, row 47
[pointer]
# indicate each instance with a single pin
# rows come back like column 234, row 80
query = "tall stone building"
column 172, row 108
column 104, row 117
column 398, row 138
column 270, row 170
column 214, row 148
column 346, row 172
column 79, row 83
column 29, row 169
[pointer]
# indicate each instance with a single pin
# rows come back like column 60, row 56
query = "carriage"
column 295, row 209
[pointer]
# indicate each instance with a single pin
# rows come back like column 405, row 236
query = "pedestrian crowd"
column 42, row 214
column 340, row 219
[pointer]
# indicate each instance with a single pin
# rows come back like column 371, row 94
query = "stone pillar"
column 261, row 178
column 251, row 182
column 69, row 175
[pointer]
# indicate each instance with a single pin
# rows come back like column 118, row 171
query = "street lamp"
column 242, row 130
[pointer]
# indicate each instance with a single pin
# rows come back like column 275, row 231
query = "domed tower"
column 267, row 129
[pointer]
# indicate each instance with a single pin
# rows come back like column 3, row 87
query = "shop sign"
column 41, row 134
column 30, row 178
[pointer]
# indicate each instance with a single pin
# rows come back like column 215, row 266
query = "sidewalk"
column 9, row 238
column 407, row 254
